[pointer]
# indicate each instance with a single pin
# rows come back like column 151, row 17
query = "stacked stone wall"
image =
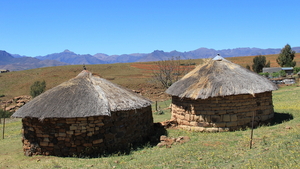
column 222, row 113
column 86, row 135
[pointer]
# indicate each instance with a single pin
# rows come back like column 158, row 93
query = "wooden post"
column 3, row 121
column 3, row 128
column 155, row 105
column 252, row 130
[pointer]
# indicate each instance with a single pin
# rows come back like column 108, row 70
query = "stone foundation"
column 222, row 113
column 87, row 135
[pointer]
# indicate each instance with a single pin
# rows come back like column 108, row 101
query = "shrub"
column 282, row 73
column 266, row 74
column 5, row 114
column 37, row 88
column 276, row 74
column 296, row 70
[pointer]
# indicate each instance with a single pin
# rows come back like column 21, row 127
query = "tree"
column 286, row 57
column 282, row 73
column 296, row 70
column 259, row 62
column 166, row 72
column 37, row 88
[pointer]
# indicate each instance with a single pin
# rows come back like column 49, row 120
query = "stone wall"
column 14, row 104
column 222, row 113
column 88, row 135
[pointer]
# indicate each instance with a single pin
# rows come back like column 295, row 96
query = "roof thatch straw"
column 219, row 77
column 83, row 96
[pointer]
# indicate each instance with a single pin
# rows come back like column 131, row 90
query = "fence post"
column 3, row 121
column 251, row 137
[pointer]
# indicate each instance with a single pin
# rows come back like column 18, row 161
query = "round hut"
column 221, row 96
column 85, row 115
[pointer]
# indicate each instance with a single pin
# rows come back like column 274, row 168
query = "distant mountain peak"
column 67, row 51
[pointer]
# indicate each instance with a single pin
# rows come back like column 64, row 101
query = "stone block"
column 77, row 133
column 91, row 129
column 198, row 129
column 201, row 118
column 81, row 118
column 62, row 134
column 210, row 112
column 70, row 132
column 233, row 117
column 44, row 144
column 193, row 123
column 241, row 122
column 203, row 124
column 163, row 138
column 100, row 124
column 187, row 117
column 46, row 139
column 180, row 117
column 62, row 130
column 91, row 125
column 223, row 129
column 73, row 127
column 91, row 118
column 60, row 138
column 219, row 124
column 196, row 118
column 98, row 141
column 70, row 121
column 231, row 124
column 179, row 121
column 83, row 124
column 220, row 112
column 39, row 135
column 226, row 117
column 88, row 144
column 184, row 122
column 211, row 129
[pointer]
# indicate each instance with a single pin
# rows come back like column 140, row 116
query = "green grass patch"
column 275, row 146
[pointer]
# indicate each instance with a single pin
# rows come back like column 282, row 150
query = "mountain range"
column 16, row 62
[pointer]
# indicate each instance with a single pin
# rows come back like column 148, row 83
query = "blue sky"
column 41, row 27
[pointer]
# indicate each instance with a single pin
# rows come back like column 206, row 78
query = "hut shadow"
column 281, row 118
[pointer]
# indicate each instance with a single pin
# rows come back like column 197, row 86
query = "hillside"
column 7, row 61
column 136, row 76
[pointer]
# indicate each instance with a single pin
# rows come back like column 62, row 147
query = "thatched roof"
column 219, row 77
column 83, row 96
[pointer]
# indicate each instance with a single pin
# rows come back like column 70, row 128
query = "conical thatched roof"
column 83, row 96
column 219, row 77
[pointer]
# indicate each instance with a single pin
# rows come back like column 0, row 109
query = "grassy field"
column 275, row 146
